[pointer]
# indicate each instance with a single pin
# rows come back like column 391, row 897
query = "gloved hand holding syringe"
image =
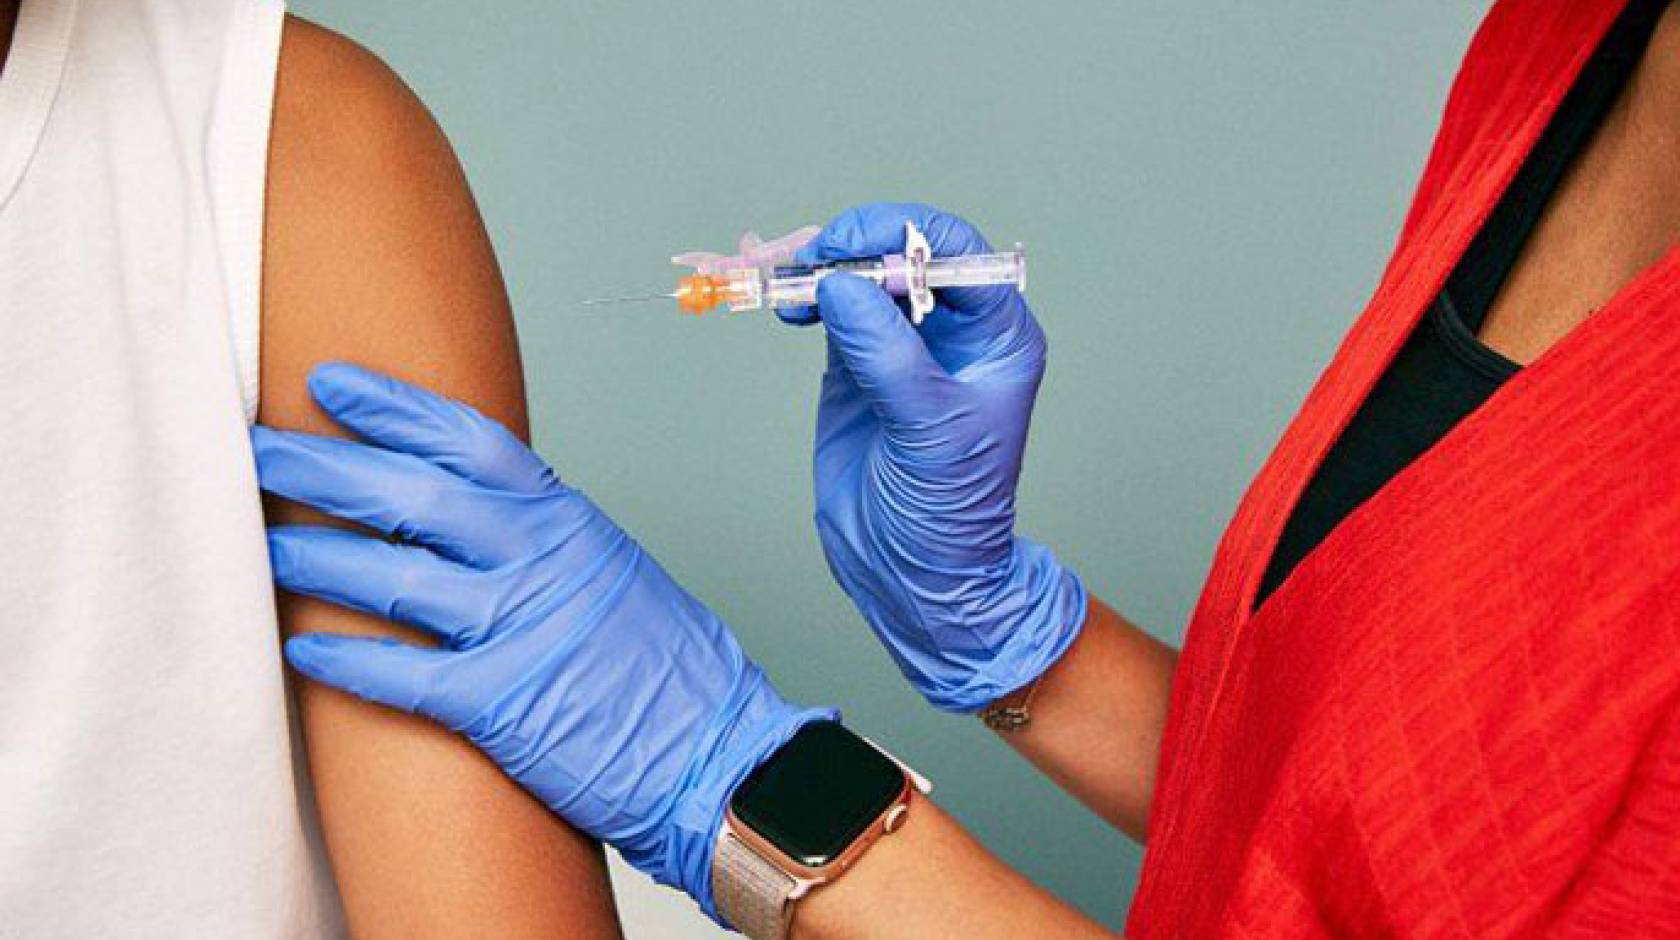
column 765, row 274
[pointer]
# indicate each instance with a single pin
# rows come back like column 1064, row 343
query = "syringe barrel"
column 796, row 286
column 793, row 286
column 1002, row 267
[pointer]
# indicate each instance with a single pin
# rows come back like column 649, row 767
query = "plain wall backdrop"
column 1207, row 194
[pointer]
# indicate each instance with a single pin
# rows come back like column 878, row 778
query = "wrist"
column 1035, row 612
column 802, row 821
column 751, row 724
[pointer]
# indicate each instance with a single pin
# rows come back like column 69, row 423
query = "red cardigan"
column 1458, row 717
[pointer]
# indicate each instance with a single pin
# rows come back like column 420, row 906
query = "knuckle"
column 424, row 502
column 493, row 602
column 427, row 689
column 848, row 231
column 482, row 458
column 952, row 234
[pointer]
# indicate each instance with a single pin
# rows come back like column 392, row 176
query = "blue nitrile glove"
column 568, row 655
column 919, row 443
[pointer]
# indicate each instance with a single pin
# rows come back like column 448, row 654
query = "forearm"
column 932, row 879
column 1097, row 718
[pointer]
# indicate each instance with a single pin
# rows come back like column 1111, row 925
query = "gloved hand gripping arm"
column 566, row 653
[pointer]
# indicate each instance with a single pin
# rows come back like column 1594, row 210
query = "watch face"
column 818, row 793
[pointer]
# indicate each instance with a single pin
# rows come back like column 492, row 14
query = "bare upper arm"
column 374, row 253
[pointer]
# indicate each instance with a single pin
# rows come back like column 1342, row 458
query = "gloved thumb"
column 883, row 352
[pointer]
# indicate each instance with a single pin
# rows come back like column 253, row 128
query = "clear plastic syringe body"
column 796, row 286
column 1001, row 267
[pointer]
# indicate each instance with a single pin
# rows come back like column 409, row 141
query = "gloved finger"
column 880, row 349
column 846, row 421
column 398, row 582
column 959, row 337
column 409, row 419
column 393, row 493
column 376, row 669
column 876, row 229
column 806, row 316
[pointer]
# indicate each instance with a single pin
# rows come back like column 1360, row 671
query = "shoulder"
column 347, row 126
column 332, row 92
column 1517, row 56
column 373, row 249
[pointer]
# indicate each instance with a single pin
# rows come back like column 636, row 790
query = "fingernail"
column 328, row 382
column 277, row 553
column 302, row 653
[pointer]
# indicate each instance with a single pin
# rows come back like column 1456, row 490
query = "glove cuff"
column 1048, row 604
column 756, row 723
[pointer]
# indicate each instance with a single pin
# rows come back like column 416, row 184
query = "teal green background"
column 1207, row 193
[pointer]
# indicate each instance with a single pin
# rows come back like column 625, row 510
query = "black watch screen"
column 817, row 793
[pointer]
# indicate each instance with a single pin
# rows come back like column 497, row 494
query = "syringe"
column 754, row 280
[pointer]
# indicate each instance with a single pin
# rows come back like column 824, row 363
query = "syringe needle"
column 630, row 299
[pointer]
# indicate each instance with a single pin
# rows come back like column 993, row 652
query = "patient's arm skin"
column 374, row 253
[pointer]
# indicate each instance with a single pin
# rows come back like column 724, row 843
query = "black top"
column 1444, row 372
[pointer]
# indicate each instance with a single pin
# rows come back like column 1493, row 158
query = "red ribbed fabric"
column 1458, row 717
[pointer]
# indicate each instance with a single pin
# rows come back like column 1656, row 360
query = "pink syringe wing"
column 753, row 252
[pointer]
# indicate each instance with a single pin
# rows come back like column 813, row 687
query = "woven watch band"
column 751, row 893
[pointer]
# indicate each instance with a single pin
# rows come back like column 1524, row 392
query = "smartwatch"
column 801, row 820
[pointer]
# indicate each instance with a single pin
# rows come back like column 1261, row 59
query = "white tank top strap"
column 237, row 165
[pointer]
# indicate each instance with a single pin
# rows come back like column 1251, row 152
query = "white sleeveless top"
column 150, row 784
